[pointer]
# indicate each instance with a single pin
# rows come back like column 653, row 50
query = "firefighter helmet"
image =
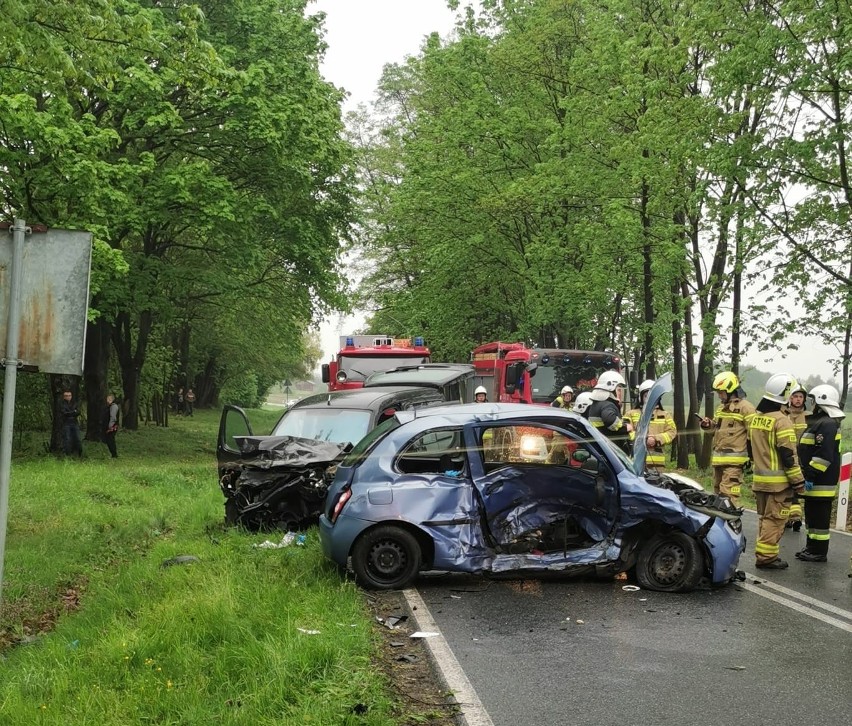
column 726, row 381
column 609, row 381
column 828, row 399
column 566, row 389
column 779, row 387
column 584, row 400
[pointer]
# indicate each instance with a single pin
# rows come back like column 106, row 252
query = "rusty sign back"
column 54, row 298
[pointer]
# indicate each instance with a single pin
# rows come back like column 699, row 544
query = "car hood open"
column 640, row 448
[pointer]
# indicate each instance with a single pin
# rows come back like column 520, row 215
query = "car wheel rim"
column 668, row 563
column 387, row 560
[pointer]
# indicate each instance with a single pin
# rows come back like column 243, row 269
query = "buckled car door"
column 529, row 476
column 233, row 422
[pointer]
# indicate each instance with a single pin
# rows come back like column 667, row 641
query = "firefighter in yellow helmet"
column 795, row 411
column 730, row 440
column 661, row 430
column 777, row 475
column 819, row 452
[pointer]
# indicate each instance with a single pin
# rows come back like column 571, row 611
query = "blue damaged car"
column 508, row 488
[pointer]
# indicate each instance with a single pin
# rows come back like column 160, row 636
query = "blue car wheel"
column 386, row 558
column 670, row 562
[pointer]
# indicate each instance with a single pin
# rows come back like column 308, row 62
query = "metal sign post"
column 19, row 230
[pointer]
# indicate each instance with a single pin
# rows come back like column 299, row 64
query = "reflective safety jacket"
column 819, row 453
column 730, row 442
column 605, row 416
column 799, row 418
column 559, row 402
column 773, row 450
column 662, row 428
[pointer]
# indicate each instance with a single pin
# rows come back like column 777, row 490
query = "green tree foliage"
column 201, row 145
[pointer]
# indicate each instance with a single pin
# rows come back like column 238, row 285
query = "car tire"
column 386, row 558
column 670, row 562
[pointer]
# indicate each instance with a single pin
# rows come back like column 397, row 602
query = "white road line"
column 472, row 711
column 804, row 609
column 804, row 598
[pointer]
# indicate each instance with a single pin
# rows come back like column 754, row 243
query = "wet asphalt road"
column 774, row 650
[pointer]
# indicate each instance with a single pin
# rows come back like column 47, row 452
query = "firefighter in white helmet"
column 819, row 454
column 730, row 440
column 605, row 412
column 565, row 399
column 777, row 476
column 480, row 395
column 581, row 405
column 661, row 431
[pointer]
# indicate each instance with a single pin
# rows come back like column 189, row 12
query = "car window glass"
column 533, row 445
column 365, row 445
column 433, row 452
column 325, row 424
column 235, row 425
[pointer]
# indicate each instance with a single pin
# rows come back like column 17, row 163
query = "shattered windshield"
column 325, row 424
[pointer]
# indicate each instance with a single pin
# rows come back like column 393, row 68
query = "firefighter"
column 795, row 411
column 581, row 405
column 661, row 431
column 480, row 395
column 819, row 453
column 777, row 475
column 605, row 411
column 565, row 399
column 730, row 440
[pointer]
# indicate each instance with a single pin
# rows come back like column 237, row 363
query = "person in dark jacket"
column 605, row 411
column 72, row 442
column 110, row 426
column 819, row 453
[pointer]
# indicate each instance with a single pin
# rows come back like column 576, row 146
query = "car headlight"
column 736, row 525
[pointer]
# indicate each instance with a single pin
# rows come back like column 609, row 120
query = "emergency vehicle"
column 361, row 355
column 515, row 373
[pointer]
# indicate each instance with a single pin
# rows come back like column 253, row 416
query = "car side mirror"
column 587, row 462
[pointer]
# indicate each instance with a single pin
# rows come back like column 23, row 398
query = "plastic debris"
column 735, row 668
column 308, row 632
column 406, row 658
column 631, row 588
column 424, row 634
column 393, row 622
column 580, row 622
column 286, row 541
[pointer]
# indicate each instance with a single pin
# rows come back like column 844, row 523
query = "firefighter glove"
column 809, row 485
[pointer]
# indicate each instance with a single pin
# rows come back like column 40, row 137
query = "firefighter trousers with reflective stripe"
column 817, row 522
column 728, row 481
column 773, row 509
column 796, row 510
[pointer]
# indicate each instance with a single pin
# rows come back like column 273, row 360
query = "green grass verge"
column 96, row 630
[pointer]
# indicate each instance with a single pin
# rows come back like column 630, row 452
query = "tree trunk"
column 130, row 360
column 95, row 376
column 679, row 450
column 736, row 326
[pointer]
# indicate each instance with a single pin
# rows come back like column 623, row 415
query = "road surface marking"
column 798, row 607
column 472, row 711
column 804, row 598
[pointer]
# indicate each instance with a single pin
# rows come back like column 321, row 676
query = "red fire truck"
column 361, row 355
column 515, row 373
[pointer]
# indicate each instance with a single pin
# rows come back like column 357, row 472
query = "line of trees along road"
column 665, row 179
column 200, row 144
column 669, row 180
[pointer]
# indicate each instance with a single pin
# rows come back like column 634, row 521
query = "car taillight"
column 344, row 497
